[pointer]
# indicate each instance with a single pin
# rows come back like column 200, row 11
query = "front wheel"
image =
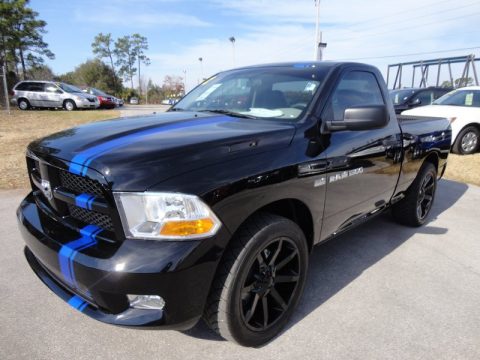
column 467, row 141
column 414, row 209
column 259, row 281
column 69, row 105
column 23, row 104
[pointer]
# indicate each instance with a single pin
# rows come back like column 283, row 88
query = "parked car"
column 50, row 94
column 171, row 101
column 462, row 107
column 134, row 101
column 118, row 102
column 404, row 99
column 212, row 208
column 106, row 101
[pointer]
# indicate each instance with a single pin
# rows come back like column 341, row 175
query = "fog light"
column 154, row 302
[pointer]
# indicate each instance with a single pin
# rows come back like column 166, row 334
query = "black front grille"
column 72, row 185
column 80, row 184
column 91, row 217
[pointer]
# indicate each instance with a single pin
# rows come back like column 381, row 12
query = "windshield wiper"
column 176, row 109
column 229, row 113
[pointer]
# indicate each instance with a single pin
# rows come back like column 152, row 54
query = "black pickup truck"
column 212, row 208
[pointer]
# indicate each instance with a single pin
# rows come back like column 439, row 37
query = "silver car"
column 52, row 94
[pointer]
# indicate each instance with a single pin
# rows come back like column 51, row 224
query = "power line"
column 436, row 3
column 302, row 44
column 406, row 28
column 411, row 54
column 415, row 17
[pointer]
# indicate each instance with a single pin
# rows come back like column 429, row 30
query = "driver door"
column 364, row 165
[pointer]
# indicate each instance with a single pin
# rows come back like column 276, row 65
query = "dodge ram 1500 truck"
column 212, row 208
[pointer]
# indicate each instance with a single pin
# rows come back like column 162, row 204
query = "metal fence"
column 424, row 66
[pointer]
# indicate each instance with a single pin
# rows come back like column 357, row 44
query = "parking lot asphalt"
column 136, row 110
column 383, row 291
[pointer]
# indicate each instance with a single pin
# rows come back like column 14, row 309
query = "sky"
column 179, row 32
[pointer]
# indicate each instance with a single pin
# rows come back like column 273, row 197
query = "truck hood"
column 135, row 153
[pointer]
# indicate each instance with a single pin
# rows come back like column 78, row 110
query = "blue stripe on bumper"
column 67, row 252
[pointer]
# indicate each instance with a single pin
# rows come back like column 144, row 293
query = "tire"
column 413, row 210
column 467, row 141
column 69, row 105
column 23, row 104
column 262, row 271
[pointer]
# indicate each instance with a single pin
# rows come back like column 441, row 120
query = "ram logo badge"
column 46, row 189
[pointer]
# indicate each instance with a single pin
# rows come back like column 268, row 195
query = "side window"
column 439, row 93
column 356, row 88
column 37, row 87
column 423, row 98
column 50, row 88
column 22, row 86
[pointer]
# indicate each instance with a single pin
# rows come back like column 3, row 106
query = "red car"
column 106, row 101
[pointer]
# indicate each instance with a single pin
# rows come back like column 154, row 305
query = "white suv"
column 49, row 94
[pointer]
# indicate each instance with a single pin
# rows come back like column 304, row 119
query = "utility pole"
column 184, row 81
column 232, row 40
column 5, row 88
column 201, row 67
column 146, row 95
column 319, row 45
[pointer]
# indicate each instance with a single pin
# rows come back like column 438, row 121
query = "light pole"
column 319, row 45
column 184, row 81
column 201, row 66
column 232, row 40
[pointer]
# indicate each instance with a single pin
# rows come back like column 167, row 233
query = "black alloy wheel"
column 414, row 208
column 270, row 284
column 259, row 280
column 425, row 196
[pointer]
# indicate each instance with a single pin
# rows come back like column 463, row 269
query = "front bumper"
column 180, row 272
column 85, row 104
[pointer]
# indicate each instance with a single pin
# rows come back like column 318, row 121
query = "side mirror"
column 58, row 91
column 415, row 102
column 361, row 118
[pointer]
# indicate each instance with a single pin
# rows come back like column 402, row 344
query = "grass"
column 21, row 127
column 464, row 168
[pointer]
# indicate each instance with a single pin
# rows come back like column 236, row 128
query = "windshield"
column 281, row 92
column 400, row 96
column 97, row 92
column 460, row 98
column 69, row 88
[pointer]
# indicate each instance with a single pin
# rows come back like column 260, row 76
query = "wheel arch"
column 432, row 158
column 472, row 124
column 292, row 209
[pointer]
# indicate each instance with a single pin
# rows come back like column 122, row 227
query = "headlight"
column 165, row 216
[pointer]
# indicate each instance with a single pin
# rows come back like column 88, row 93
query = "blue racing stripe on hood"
column 82, row 160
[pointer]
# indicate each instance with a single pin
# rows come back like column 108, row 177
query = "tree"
column 93, row 73
column 140, row 45
column 40, row 72
column 126, row 57
column 460, row 82
column 103, row 48
column 22, row 36
column 172, row 86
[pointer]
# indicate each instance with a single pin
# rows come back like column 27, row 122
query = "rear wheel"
column 467, row 141
column 69, row 105
column 23, row 104
column 413, row 210
column 259, row 281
